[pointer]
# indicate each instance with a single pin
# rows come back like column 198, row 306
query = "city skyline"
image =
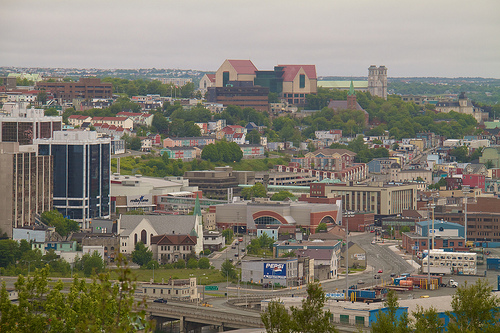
column 342, row 38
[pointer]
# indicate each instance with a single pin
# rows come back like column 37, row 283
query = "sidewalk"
column 406, row 257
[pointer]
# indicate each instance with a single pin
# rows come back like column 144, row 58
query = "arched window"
column 151, row 239
column 327, row 220
column 144, row 237
column 135, row 239
column 266, row 220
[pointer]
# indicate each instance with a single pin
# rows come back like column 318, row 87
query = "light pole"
column 432, row 205
column 347, row 215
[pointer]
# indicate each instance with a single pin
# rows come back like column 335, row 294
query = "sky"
column 418, row 38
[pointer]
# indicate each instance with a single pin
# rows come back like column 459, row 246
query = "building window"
column 302, row 83
column 225, row 78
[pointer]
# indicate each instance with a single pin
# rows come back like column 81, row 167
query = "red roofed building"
column 124, row 122
column 298, row 81
column 171, row 248
column 78, row 120
column 207, row 81
column 139, row 118
column 235, row 70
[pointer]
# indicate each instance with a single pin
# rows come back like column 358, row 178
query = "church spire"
column 197, row 208
column 351, row 90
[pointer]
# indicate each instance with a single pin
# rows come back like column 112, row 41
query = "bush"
column 203, row 263
column 192, row 263
column 180, row 264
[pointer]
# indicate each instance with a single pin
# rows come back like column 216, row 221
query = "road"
column 230, row 253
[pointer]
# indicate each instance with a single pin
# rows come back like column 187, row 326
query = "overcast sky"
column 449, row 38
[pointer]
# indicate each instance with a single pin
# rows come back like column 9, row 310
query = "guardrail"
column 207, row 316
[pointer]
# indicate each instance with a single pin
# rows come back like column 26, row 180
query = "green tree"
column 41, row 97
column 227, row 270
column 203, row 263
column 135, row 143
column 90, row 264
column 387, row 320
column 210, row 153
column 439, row 184
column 228, row 235
column 309, row 318
column 99, row 306
column 141, row 254
column 321, row 227
column 281, row 195
column 9, row 252
column 253, row 137
column 181, row 263
column 51, row 112
column 426, row 320
column 475, row 309
column 276, row 318
column 256, row 191
column 63, row 225
column 192, row 263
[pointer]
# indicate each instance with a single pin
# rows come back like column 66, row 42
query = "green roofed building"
column 344, row 85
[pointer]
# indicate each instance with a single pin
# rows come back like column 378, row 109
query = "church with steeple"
column 350, row 104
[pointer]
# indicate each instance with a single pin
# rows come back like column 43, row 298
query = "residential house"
column 239, row 138
column 77, row 120
column 326, row 159
column 356, row 255
column 135, row 228
column 251, row 150
column 172, row 248
column 124, row 122
column 138, row 118
column 213, row 240
column 182, row 153
column 326, row 263
column 146, row 144
column 188, row 141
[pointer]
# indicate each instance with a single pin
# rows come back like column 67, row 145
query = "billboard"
column 140, row 200
column 274, row 270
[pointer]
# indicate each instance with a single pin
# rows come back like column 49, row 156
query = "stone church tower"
column 377, row 81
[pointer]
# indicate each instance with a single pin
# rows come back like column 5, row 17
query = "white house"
column 135, row 228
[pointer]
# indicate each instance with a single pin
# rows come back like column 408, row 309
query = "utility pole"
column 347, row 215
column 466, row 191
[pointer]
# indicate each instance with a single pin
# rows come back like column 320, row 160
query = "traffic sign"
column 415, row 248
column 211, row 288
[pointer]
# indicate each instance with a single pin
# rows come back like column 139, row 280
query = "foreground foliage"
column 309, row 318
column 99, row 306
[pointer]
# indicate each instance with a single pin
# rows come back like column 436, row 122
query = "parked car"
column 376, row 276
column 393, row 274
column 236, row 254
column 233, row 247
column 380, row 271
column 160, row 300
column 243, row 250
column 361, row 282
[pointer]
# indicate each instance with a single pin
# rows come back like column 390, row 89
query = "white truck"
column 451, row 283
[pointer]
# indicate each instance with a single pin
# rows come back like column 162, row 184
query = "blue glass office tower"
column 82, row 166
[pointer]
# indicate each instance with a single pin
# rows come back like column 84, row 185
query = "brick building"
column 85, row 88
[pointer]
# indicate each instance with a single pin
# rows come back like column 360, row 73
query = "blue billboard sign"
column 274, row 270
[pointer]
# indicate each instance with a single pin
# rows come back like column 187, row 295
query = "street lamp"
column 347, row 215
